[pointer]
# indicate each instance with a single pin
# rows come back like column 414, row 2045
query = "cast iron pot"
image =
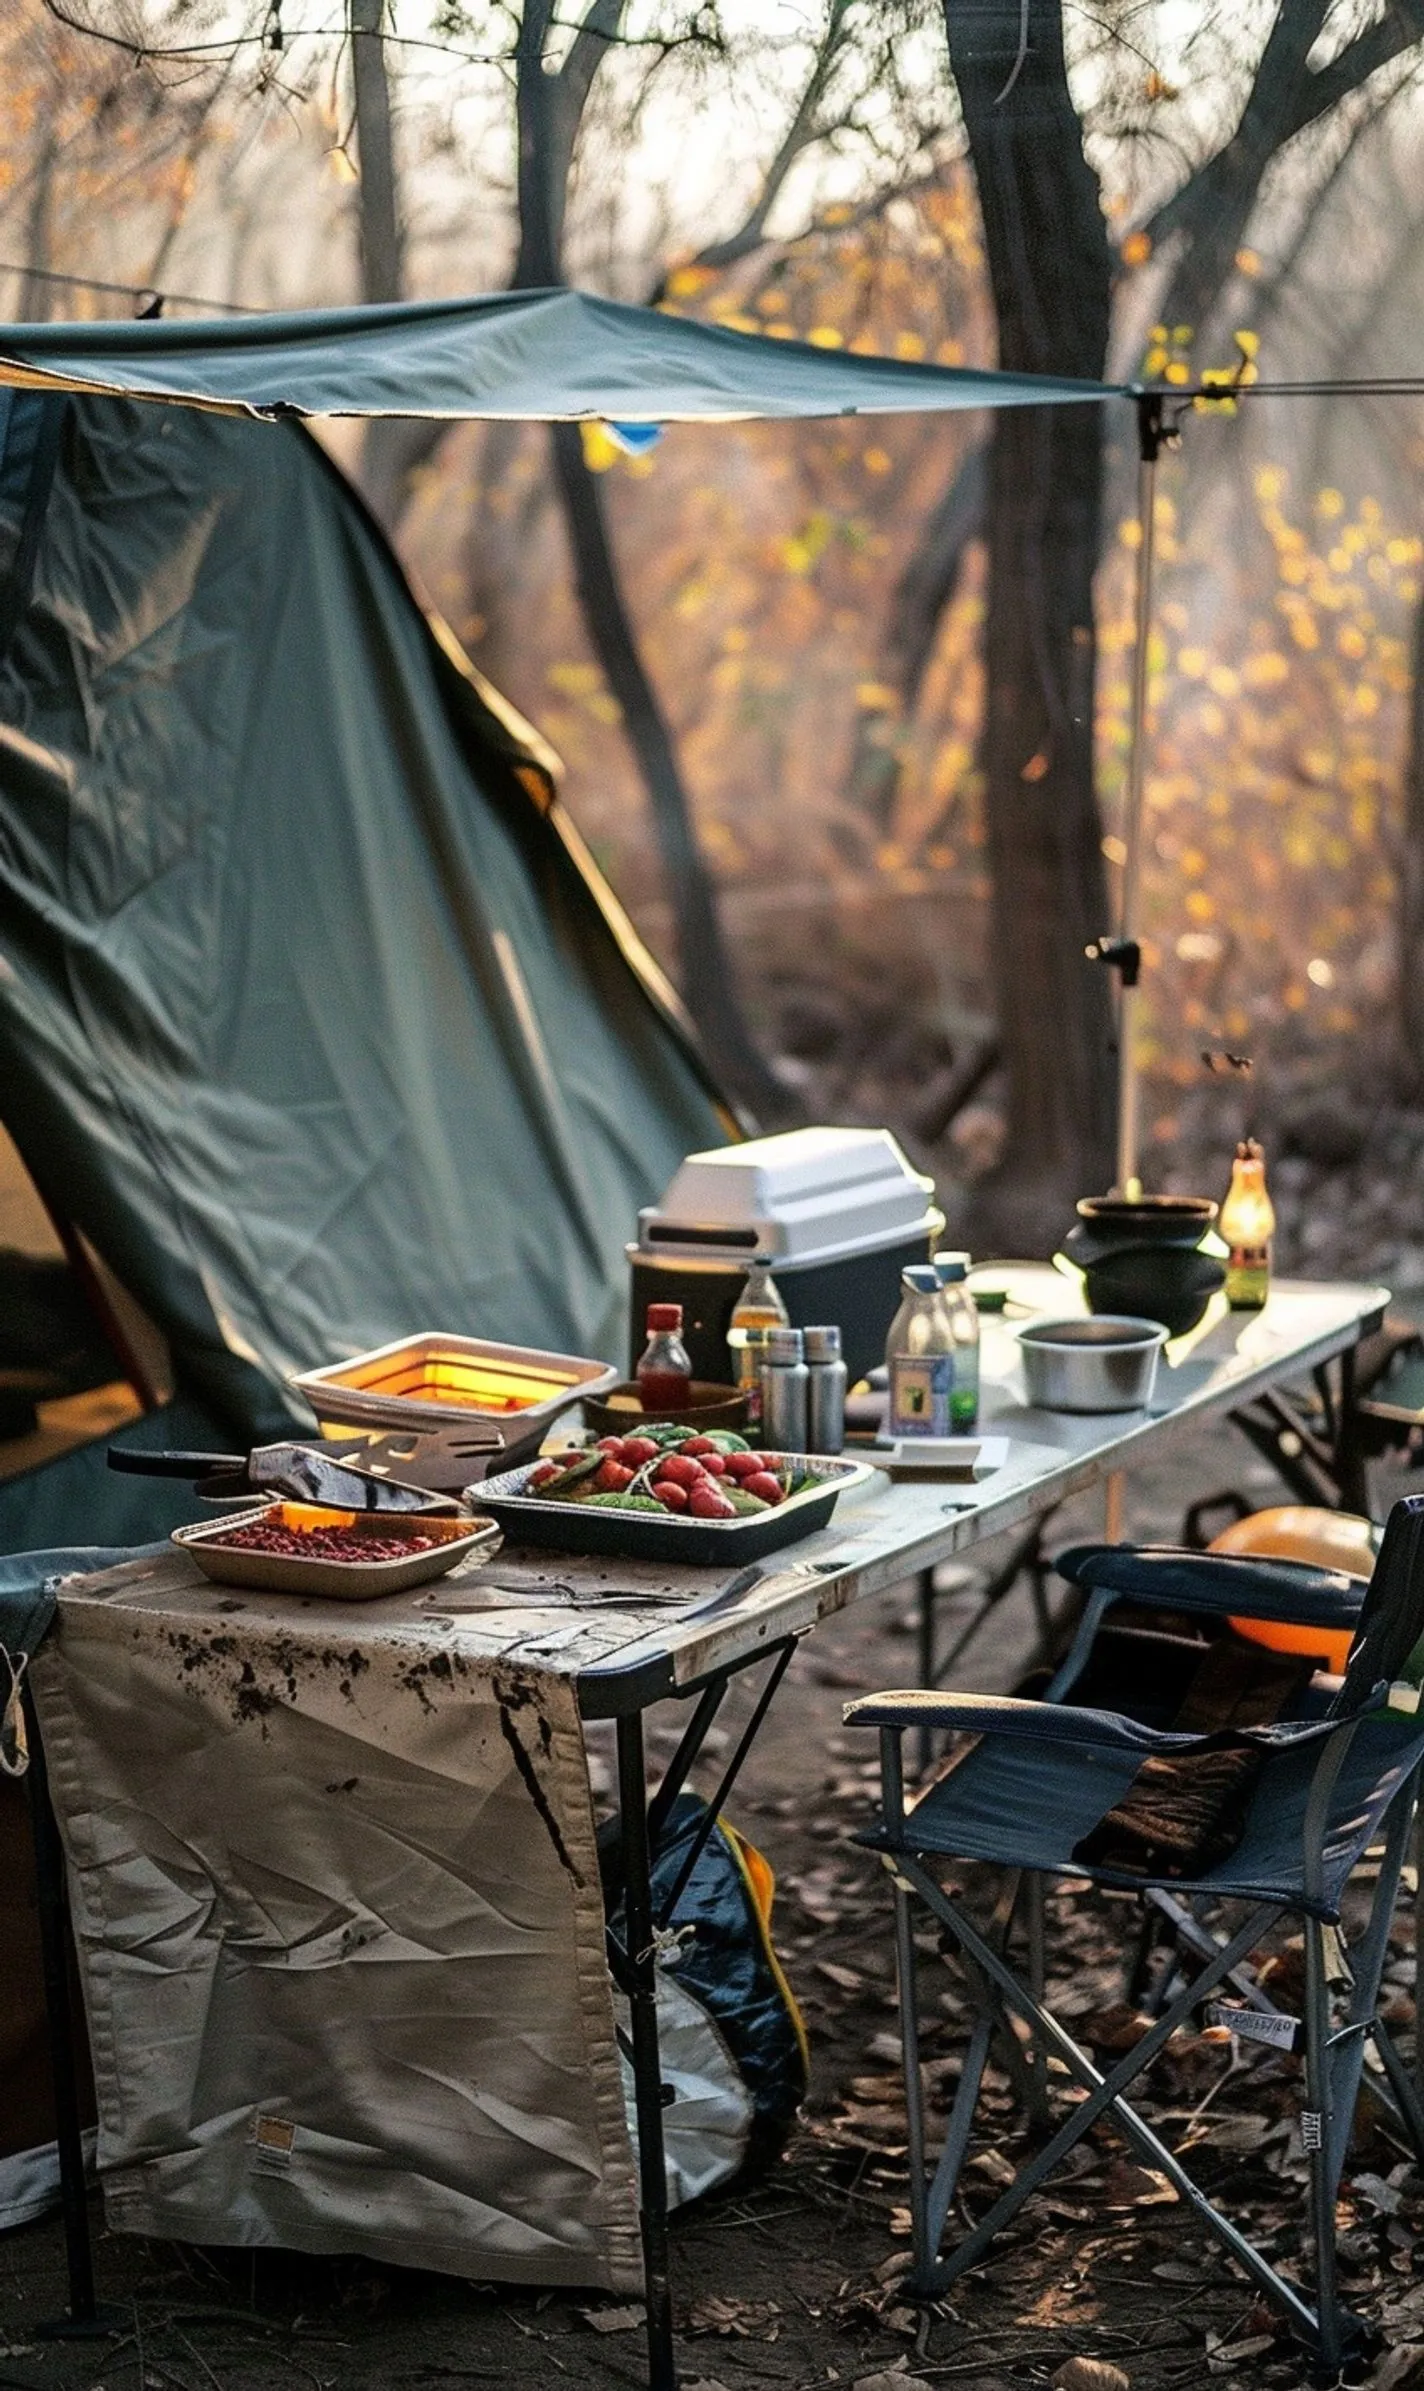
column 1172, row 1284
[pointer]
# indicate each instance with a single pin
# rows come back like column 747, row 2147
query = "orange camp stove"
column 441, row 1410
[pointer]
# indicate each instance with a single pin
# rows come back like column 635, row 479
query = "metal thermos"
column 784, row 1381
column 825, row 1390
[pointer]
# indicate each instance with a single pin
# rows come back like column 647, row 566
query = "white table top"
column 632, row 1631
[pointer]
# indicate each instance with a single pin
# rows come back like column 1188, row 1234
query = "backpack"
column 733, row 2042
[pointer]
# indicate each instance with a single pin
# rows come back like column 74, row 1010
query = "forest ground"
column 795, row 2282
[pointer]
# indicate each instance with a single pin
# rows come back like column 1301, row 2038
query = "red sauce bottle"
column 665, row 1373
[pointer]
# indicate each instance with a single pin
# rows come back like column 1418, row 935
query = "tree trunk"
column 36, row 294
column 1411, row 884
column 922, row 596
column 391, row 445
column 382, row 258
column 1051, row 273
column 547, row 131
column 706, row 971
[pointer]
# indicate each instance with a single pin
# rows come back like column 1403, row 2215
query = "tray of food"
column 345, row 1556
column 669, row 1493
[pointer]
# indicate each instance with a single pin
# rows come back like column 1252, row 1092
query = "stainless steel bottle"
column 825, row 1390
column 784, row 1381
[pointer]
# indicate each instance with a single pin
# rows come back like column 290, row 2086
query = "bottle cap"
column 920, row 1278
column 822, row 1344
column 950, row 1269
column 783, row 1345
column 663, row 1315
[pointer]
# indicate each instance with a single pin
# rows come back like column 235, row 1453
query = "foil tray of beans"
column 669, row 1493
column 343, row 1556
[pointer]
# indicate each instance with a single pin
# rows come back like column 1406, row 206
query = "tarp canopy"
column 313, row 1017
column 552, row 355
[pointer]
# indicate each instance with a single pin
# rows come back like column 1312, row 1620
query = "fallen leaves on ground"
column 733, row 2319
column 1090, row 2374
column 613, row 2320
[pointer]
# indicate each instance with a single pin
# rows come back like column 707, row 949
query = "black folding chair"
column 1042, row 1776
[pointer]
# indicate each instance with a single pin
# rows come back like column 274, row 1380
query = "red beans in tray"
column 324, row 1544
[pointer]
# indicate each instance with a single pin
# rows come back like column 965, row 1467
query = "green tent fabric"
column 529, row 355
column 309, row 1016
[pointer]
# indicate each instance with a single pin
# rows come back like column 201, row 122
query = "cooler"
column 838, row 1213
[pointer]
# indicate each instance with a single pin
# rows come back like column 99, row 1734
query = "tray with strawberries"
column 669, row 1493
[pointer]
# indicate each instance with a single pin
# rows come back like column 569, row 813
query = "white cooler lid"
column 806, row 1195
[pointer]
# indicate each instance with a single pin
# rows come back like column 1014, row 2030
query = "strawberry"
column 613, row 1477
column 671, row 1496
column 637, row 1450
column 765, row 1485
column 745, row 1465
column 714, row 1463
column 708, row 1502
column 680, row 1471
column 698, row 1445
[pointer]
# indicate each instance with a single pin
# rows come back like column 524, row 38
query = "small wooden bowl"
column 709, row 1406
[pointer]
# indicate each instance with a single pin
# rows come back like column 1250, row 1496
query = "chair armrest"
column 1173, row 1578
column 1063, row 1722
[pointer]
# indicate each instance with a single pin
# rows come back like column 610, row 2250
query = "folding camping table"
column 622, row 1656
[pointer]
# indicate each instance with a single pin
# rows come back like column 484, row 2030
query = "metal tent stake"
column 1125, row 952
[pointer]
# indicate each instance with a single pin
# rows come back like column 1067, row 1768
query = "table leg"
column 925, row 1635
column 647, row 2062
column 1350, row 1468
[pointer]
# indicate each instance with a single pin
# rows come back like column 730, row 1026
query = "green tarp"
column 530, row 355
column 309, row 1017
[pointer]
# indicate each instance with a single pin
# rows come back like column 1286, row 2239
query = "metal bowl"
column 1106, row 1363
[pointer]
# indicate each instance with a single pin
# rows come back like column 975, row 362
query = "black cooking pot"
column 1169, row 1283
column 1140, row 1254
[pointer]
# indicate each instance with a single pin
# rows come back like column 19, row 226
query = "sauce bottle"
column 757, row 1311
column 1248, row 1223
column 665, row 1372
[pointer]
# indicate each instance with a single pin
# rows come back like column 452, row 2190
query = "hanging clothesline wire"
column 126, row 290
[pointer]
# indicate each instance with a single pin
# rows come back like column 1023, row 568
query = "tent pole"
column 1128, row 957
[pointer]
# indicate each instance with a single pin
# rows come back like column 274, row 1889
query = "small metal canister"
column 784, row 1381
column 825, row 1390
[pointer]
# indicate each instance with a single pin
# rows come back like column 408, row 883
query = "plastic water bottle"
column 919, row 1358
column 952, row 1271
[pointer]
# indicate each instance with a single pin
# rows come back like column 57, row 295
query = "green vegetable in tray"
column 623, row 1502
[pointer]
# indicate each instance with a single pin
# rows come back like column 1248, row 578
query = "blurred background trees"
column 844, row 705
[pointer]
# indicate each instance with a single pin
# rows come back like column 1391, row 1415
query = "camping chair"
column 1301, row 1592
column 1041, row 1777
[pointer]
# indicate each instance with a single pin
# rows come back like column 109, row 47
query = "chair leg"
column 1418, row 1949
column 908, row 1990
column 1320, row 2136
column 1105, row 2098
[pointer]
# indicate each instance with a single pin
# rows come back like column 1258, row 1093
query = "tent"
column 315, row 1017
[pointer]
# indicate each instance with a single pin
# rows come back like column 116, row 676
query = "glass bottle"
column 1248, row 1223
column 665, row 1372
column 758, row 1310
column 952, row 1271
column 919, row 1358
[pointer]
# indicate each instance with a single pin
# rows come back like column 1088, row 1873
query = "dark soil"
column 796, row 2281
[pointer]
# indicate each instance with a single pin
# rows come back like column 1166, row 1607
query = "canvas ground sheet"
column 337, row 1906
